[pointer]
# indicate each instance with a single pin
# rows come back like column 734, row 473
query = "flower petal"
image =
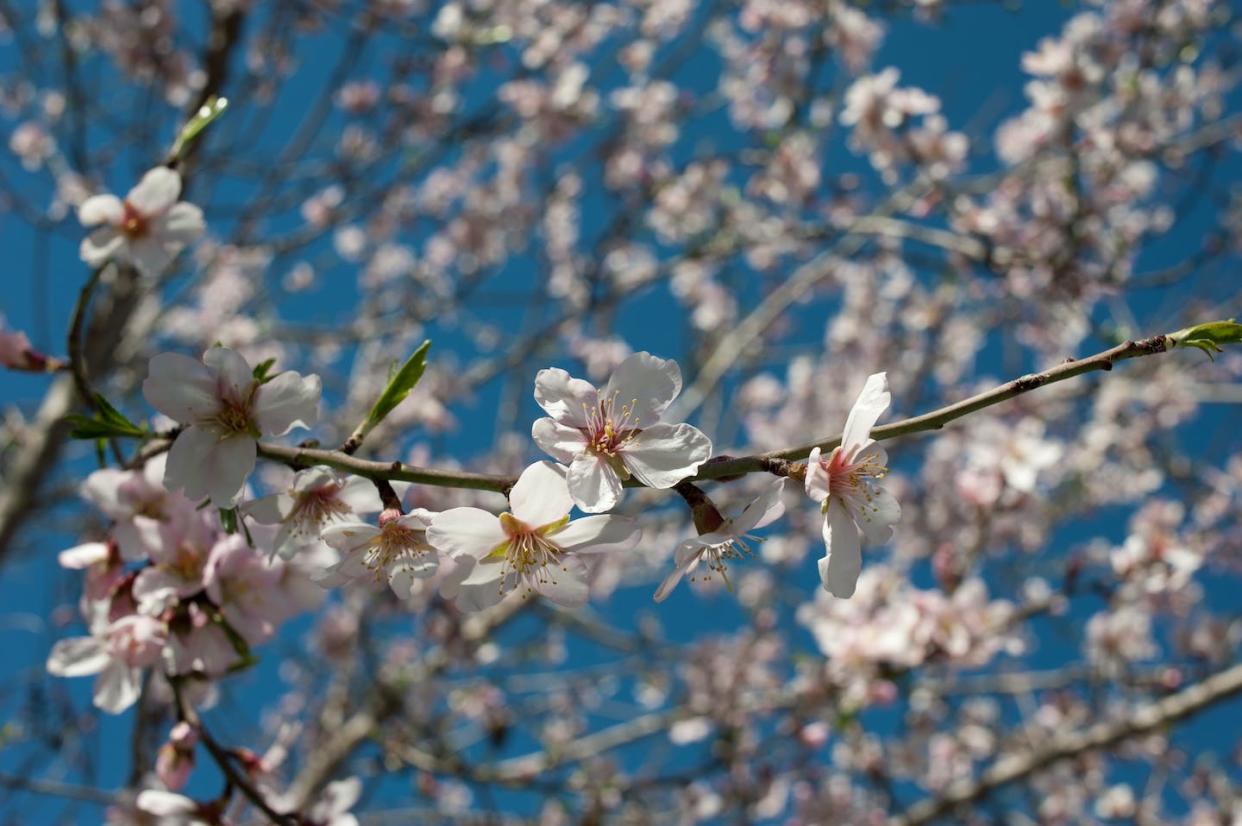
column 348, row 535
column 203, row 465
column 181, row 388
column 763, row 510
column 101, row 209
column 290, row 400
column 597, row 534
column 664, row 454
column 646, row 384
column 817, row 482
column 566, row 399
column 77, row 657
column 181, row 225
column 559, row 441
column 540, row 496
column 872, row 401
column 156, row 192
column 564, row 584
column 83, row 556
column 878, row 515
column 101, row 245
column 593, row 484
column 842, row 562
column 686, row 557
column 117, row 687
column 466, row 532
column 231, row 370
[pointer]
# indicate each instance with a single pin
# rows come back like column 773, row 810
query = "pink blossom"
column 117, row 653
column 148, row 229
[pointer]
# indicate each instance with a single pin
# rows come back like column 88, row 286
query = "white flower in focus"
column 727, row 540
column 535, row 546
column 226, row 410
column 316, row 498
column 607, row 437
column 847, row 486
column 396, row 551
column 117, row 653
column 147, row 229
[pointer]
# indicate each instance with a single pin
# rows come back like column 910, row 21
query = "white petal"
column 101, row 489
column 231, row 369
column 77, row 657
column 170, row 804
column 266, row 511
column 540, row 496
column 101, row 209
column 842, row 562
column 290, row 400
column 151, row 255
column 664, row 454
column 181, row 388
column 765, row 509
column 403, row 572
column 559, row 441
column 157, row 191
column 117, row 687
column 349, row 535
column 181, row 225
column 466, row 532
column 816, row 483
column 101, row 245
column 479, row 597
column 593, row 484
column 566, row 399
column 646, row 384
column 564, row 584
column 597, row 533
column 362, row 496
column 203, row 465
column 872, row 401
column 878, row 515
column 83, row 556
column 686, row 557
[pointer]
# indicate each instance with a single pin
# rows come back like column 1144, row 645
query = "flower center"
column 314, row 508
column 133, row 223
column 609, row 427
column 392, row 542
column 529, row 553
column 233, row 418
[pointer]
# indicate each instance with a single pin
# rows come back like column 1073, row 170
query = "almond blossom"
column 138, row 502
column 607, row 437
column 147, row 229
column 116, row 652
column 534, row 546
column 847, row 486
column 315, row 498
column 727, row 540
column 396, row 551
column 225, row 410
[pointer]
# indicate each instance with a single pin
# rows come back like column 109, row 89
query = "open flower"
column 534, row 546
column 316, row 498
column 847, row 486
column 397, row 550
column 138, row 502
column 726, row 540
column 117, row 653
column 607, row 437
column 147, row 229
column 226, row 410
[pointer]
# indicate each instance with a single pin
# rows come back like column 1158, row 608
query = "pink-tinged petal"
column 77, row 657
column 872, row 402
column 102, row 490
column 290, row 400
column 842, row 562
column 664, row 454
column 540, row 496
column 181, row 225
column 117, row 687
column 156, row 192
column 348, row 535
column 181, row 388
column 202, row 465
column 686, row 557
column 593, row 484
column 566, row 399
column 763, row 510
column 565, row 584
column 878, row 515
column 466, row 532
column 231, row 370
column 83, row 556
column 101, row 209
column 562, row 442
column 101, row 245
column 646, row 384
column 817, row 481
column 597, row 534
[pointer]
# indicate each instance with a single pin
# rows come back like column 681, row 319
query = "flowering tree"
column 637, row 411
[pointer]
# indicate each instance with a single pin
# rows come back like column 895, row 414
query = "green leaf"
column 399, row 385
column 262, row 370
column 107, row 423
column 228, row 520
column 213, row 108
column 1209, row 336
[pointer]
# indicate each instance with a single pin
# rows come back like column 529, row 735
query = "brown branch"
column 1011, row 769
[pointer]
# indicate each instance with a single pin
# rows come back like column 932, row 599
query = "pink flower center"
column 315, row 508
column 133, row 223
column 609, row 428
column 394, row 541
column 849, row 479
